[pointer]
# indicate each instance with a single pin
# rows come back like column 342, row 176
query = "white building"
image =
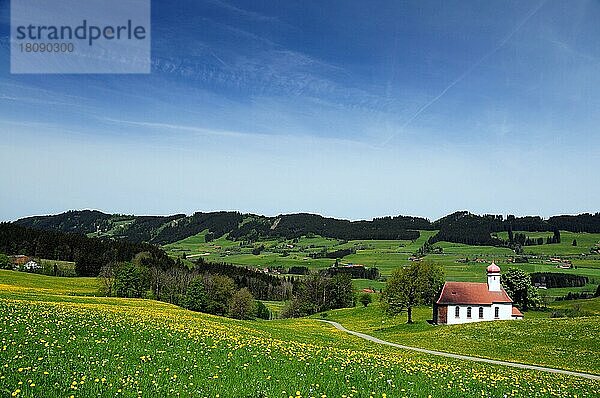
column 31, row 266
column 463, row 302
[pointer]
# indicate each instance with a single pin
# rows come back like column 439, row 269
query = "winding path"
column 463, row 357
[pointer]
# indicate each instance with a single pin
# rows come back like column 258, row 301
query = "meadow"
column 566, row 343
column 388, row 255
column 56, row 344
column 565, row 248
column 40, row 284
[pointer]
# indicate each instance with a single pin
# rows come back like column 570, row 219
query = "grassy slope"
column 388, row 255
column 565, row 248
column 568, row 343
column 56, row 345
column 591, row 306
column 22, row 281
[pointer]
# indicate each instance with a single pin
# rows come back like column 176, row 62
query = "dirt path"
column 463, row 357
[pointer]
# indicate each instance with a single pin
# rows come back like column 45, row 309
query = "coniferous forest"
column 458, row 227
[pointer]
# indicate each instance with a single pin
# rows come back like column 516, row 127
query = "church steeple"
column 493, row 278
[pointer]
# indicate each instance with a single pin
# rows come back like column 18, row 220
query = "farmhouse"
column 463, row 302
column 19, row 259
column 31, row 266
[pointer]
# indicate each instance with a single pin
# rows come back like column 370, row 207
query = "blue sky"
column 351, row 109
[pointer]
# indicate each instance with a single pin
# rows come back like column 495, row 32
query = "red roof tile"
column 516, row 312
column 471, row 293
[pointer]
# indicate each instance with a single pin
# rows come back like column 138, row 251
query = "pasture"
column 585, row 241
column 53, row 344
column 461, row 262
column 566, row 343
column 40, row 284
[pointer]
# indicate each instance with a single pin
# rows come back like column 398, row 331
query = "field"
column 55, row 344
column 568, row 343
column 389, row 254
column 40, row 284
column 565, row 248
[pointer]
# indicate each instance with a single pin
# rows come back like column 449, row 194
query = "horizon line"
column 504, row 216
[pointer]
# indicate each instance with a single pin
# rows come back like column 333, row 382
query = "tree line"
column 335, row 254
column 354, row 272
column 318, row 293
column 472, row 229
column 458, row 227
column 223, row 289
column 262, row 285
column 89, row 254
column 557, row 279
column 292, row 226
column 516, row 239
column 195, row 289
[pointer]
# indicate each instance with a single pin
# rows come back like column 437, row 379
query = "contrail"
column 218, row 59
column 468, row 71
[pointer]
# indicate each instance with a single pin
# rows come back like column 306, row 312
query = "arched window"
column 496, row 312
column 468, row 312
column 480, row 312
column 457, row 312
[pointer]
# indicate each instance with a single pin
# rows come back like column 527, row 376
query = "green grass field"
column 34, row 283
column 388, row 255
column 384, row 254
column 568, row 343
column 585, row 241
column 55, row 344
column 590, row 306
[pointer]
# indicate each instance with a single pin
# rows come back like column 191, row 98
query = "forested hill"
column 168, row 229
column 460, row 227
column 89, row 254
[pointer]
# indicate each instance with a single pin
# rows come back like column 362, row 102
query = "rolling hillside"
column 238, row 226
column 462, row 242
column 459, row 227
column 84, row 346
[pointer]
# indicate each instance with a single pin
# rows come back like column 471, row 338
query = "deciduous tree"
column 517, row 284
column 410, row 286
column 195, row 296
column 242, row 305
column 219, row 291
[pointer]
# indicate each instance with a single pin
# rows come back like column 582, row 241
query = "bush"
column 365, row 299
column 5, row 262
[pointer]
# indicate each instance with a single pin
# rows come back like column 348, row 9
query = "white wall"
column 505, row 312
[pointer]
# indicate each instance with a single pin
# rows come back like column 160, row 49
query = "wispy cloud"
column 243, row 12
column 184, row 128
column 467, row 72
column 282, row 137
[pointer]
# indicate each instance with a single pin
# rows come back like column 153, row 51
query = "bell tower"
column 493, row 278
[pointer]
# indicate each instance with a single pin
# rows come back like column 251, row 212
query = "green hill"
column 238, row 226
column 58, row 345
